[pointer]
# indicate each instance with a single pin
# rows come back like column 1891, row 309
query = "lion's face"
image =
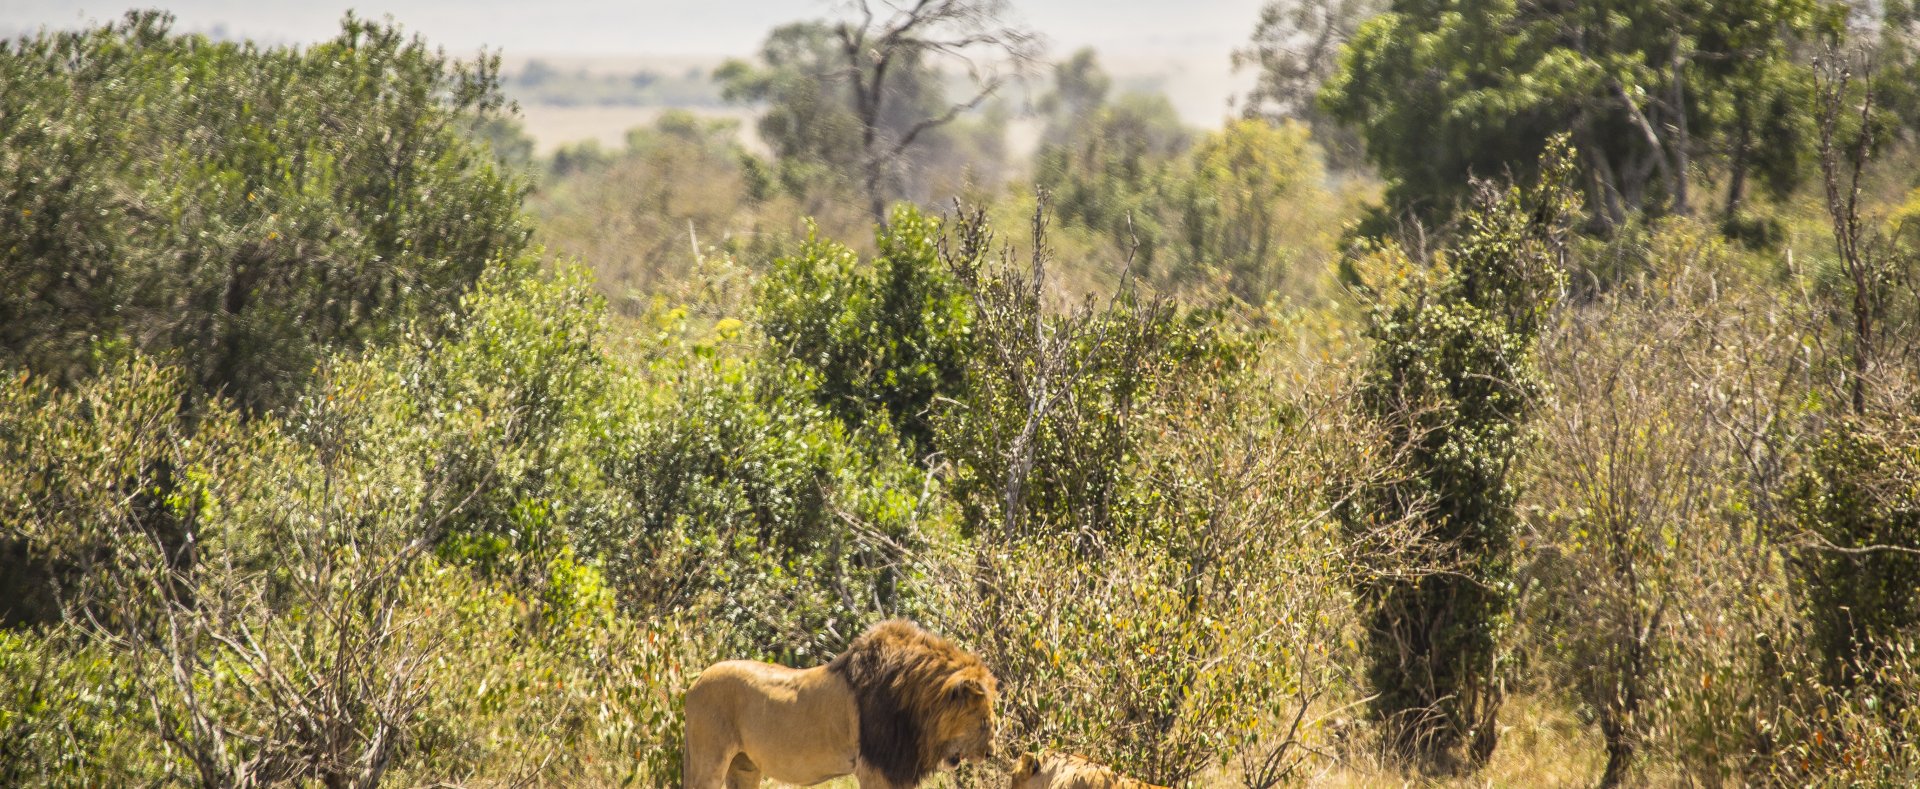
column 963, row 729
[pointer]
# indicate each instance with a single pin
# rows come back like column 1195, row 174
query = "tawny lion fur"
column 1066, row 771
column 900, row 704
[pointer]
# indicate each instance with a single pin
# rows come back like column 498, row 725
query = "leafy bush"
column 1104, row 172
column 70, row 714
column 749, row 500
column 885, row 343
column 1248, row 205
column 270, row 587
column 1641, row 590
column 1199, row 636
column 1451, row 379
column 1054, row 406
column 242, row 210
column 514, row 394
column 1858, row 502
column 1238, row 212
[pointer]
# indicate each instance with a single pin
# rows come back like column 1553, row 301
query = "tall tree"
column 1080, row 87
column 861, row 93
column 1295, row 49
column 1442, row 90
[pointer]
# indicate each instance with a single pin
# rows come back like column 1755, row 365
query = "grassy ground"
column 1541, row 745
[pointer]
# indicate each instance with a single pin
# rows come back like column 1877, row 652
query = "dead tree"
column 889, row 38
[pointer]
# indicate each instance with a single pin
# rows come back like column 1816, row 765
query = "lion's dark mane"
column 896, row 671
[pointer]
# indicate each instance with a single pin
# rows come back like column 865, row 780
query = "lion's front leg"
column 870, row 779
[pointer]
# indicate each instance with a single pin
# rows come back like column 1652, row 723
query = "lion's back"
column 730, row 677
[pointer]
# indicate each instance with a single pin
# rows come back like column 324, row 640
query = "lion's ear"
column 1029, row 765
column 962, row 688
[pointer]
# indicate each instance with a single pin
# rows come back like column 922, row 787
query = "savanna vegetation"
column 1519, row 394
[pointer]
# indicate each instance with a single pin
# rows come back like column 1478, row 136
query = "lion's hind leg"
column 742, row 773
column 703, row 771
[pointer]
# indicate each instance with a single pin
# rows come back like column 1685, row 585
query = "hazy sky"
column 1184, row 28
column 1183, row 46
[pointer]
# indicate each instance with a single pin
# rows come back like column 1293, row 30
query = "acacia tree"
column 866, row 90
column 1452, row 379
column 971, row 33
column 1648, row 89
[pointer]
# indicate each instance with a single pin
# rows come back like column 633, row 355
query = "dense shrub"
column 1451, row 377
column 1647, row 591
column 884, row 341
column 242, row 209
column 1103, row 172
column 749, row 499
column 1055, row 405
column 1249, row 204
column 514, row 392
column 1858, row 503
column 1154, row 578
column 295, row 598
column 71, row 714
column 1242, row 212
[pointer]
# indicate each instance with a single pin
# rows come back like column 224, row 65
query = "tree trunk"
column 1619, row 760
column 1737, row 170
column 1682, row 205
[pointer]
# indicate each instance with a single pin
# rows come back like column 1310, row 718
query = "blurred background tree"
column 1294, row 51
column 863, row 95
column 1647, row 89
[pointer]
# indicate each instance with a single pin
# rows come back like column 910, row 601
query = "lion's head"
column 1067, row 771
column 925, row 704
column 962, row 720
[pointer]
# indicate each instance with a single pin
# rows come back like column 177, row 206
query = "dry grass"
column 1542, row 744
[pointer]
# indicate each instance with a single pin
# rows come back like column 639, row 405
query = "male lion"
column 898, row 705
column 1065, row 771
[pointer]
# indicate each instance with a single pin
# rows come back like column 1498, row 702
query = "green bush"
column 885, row 341
column 1248, row 204
column 1452, row 380
column 1056, row 404
column 1104, row 172
column 240, row 209
column 1198, row 637
column 231, row 568
column 1858, row 501
column 70, row 714
column 1239, row 212
column 514, row 393
column 749, row 500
